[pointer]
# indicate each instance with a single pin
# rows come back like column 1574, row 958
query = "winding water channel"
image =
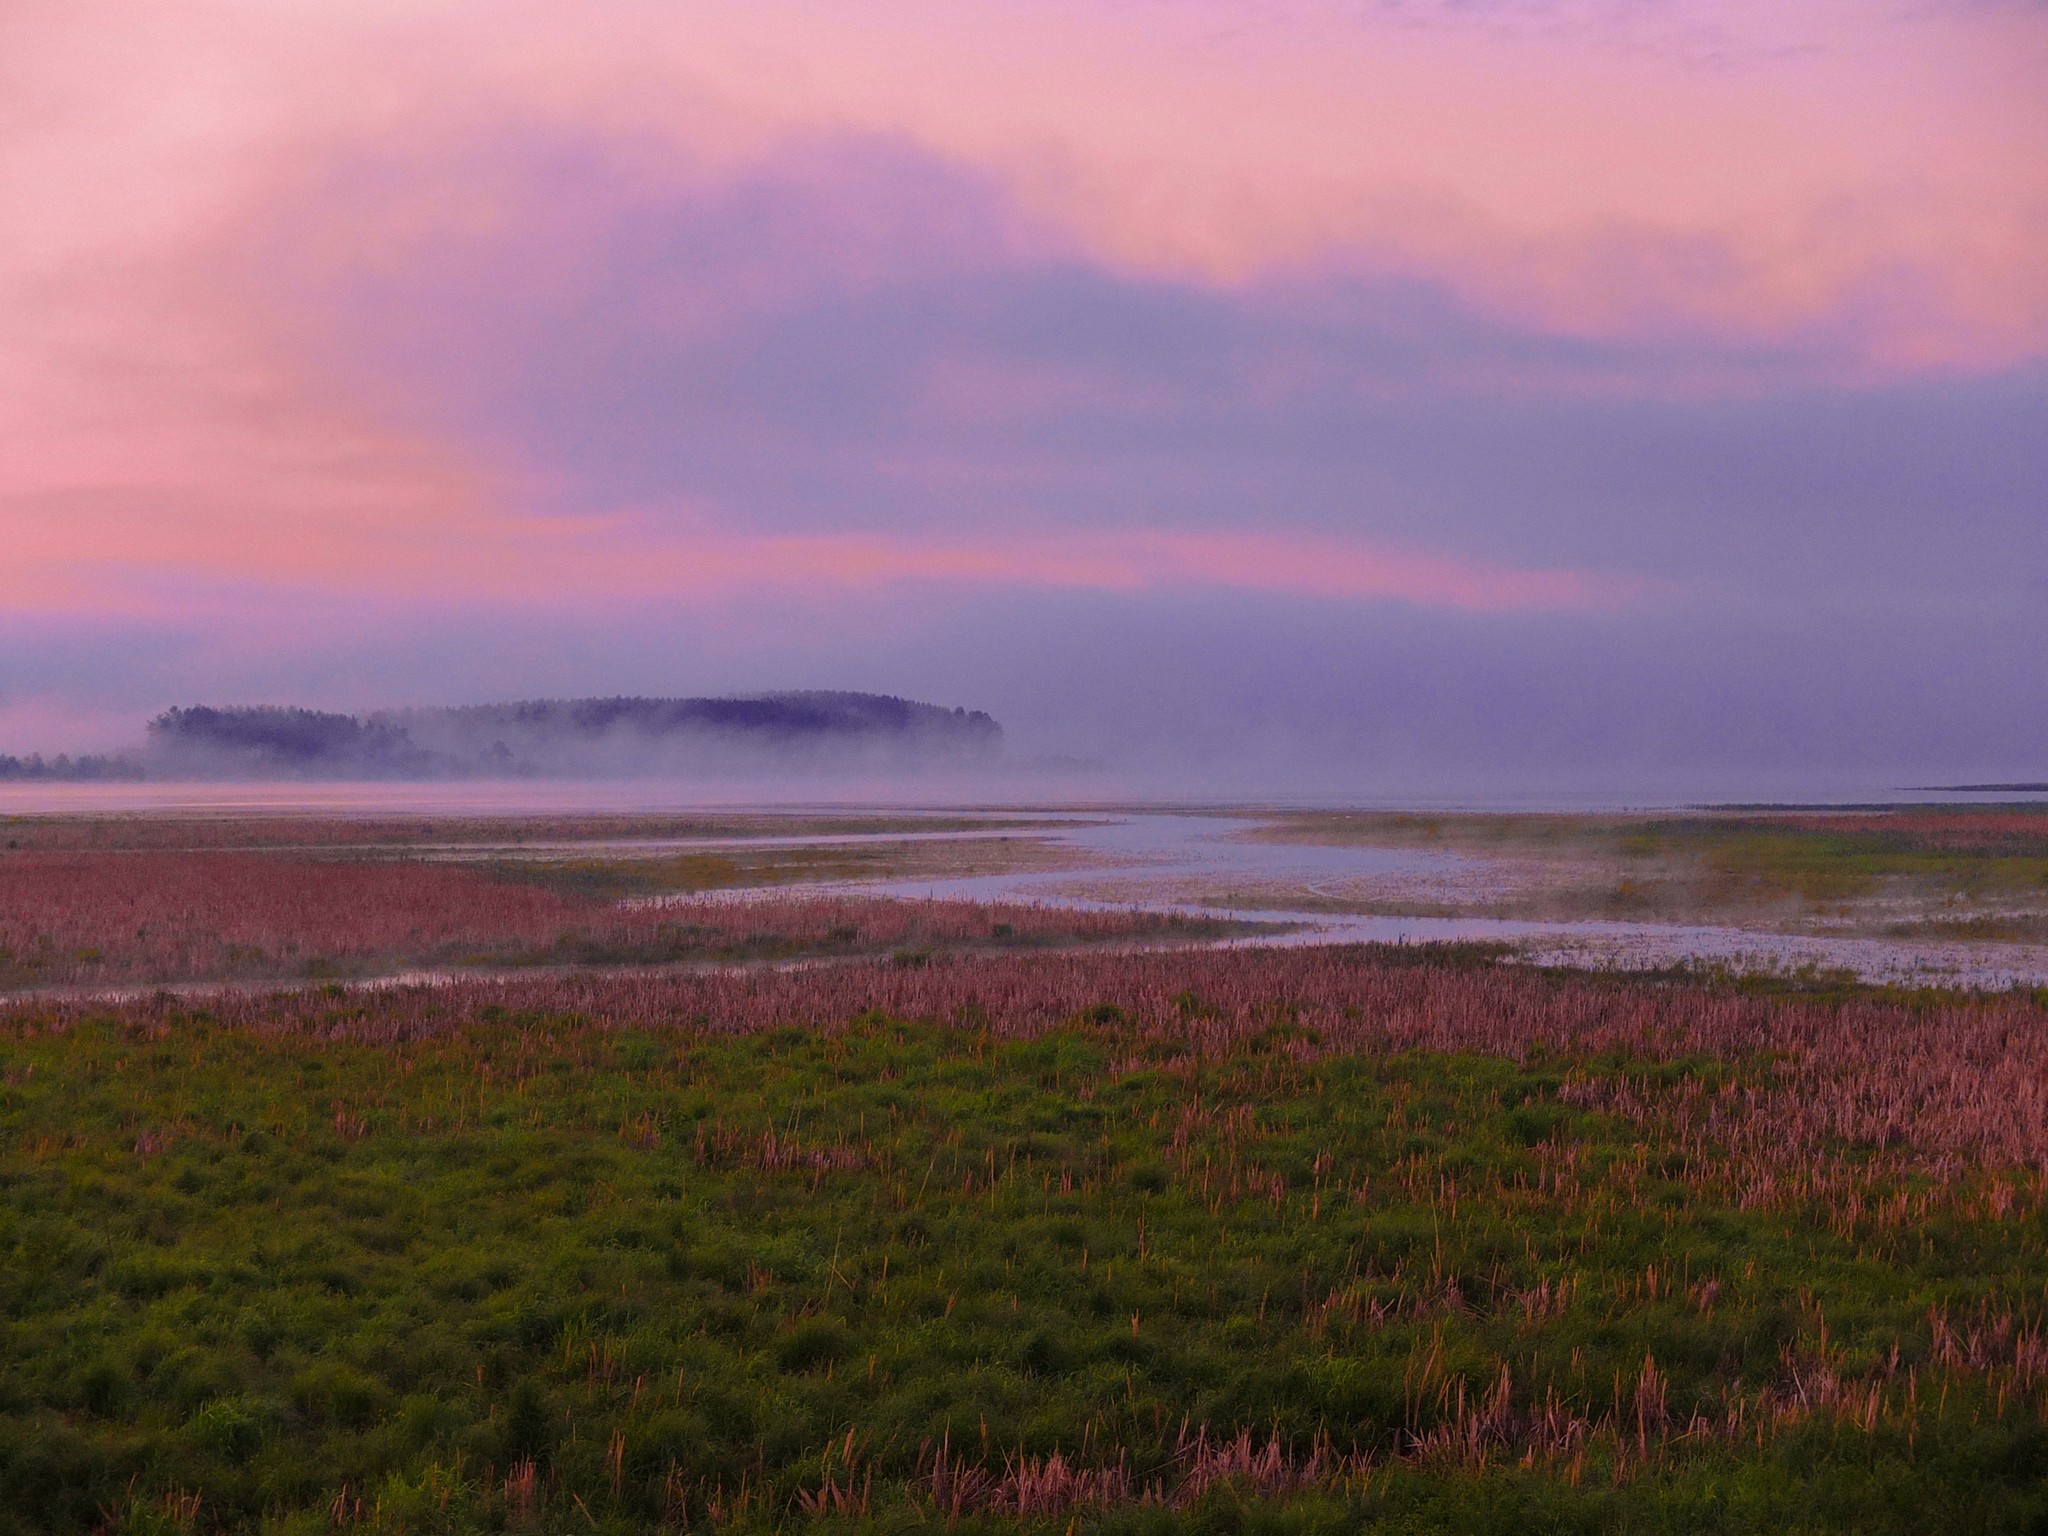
column 1187, row 862
column 1191, row 864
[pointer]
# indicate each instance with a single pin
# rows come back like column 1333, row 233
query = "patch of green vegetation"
column 535, row 1275
column 1827, row 864
column 619, row 874
column 616, row 879
column 1969, row 873
column 683, row 943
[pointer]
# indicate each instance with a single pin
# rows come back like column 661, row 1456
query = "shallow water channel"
column 1195, row 864
column 1190, row 862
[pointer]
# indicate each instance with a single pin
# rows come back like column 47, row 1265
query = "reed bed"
column 1949, row 1084
column 230, row 830
column 72, row 917
column 227, row 831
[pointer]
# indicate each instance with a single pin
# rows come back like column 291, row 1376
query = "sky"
column 1359, row 396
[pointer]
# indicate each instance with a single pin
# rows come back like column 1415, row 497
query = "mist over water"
column 936, row 794
column 1188, row 859
column 1045, row 791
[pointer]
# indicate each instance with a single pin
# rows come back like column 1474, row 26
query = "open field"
column 1911, row 872
column 1257, row 1240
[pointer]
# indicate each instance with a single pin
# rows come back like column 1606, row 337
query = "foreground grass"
column 525, row 1272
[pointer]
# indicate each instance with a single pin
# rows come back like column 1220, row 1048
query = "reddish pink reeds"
column 190, row 833
column 193, row 831
column 85, row 916
column 1266, row 1471
column 845, row 1489
column 1469, row 1428
column 71, row 917
column 1831, row 1090
column 1494, row 1425
column 1027, row 1485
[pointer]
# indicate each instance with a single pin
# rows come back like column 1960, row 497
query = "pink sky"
column 442, row 300
column 1751, row 173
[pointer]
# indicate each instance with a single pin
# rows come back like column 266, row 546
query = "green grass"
column 280, row 1283
column 1940, row 873
column 1822, row 865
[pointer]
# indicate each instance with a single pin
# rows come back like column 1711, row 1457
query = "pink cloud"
column 158, row 425
column 1742, row 165
column 629, row 559
column 1745, row 167
column 1130, row 560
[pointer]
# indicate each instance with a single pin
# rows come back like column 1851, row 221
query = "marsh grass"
column 1832, row 858
column 617, row 874
column 184, row 831
column 1962, row 873
column 95, row 916
column 1345, row 1240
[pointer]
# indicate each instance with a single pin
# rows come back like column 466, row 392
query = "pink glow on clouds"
column 1742, row 170
column 1739, row 164
column 1123, row 561
column 115, row 561
column 1745, row 166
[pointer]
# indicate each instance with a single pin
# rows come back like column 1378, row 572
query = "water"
column 1172, row 861
column 1187, row 864
column 903, row 797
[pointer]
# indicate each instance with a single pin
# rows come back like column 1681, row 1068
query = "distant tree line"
column 574, row 737
column 274, row 739
column 538, row 737
column 90, row 768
